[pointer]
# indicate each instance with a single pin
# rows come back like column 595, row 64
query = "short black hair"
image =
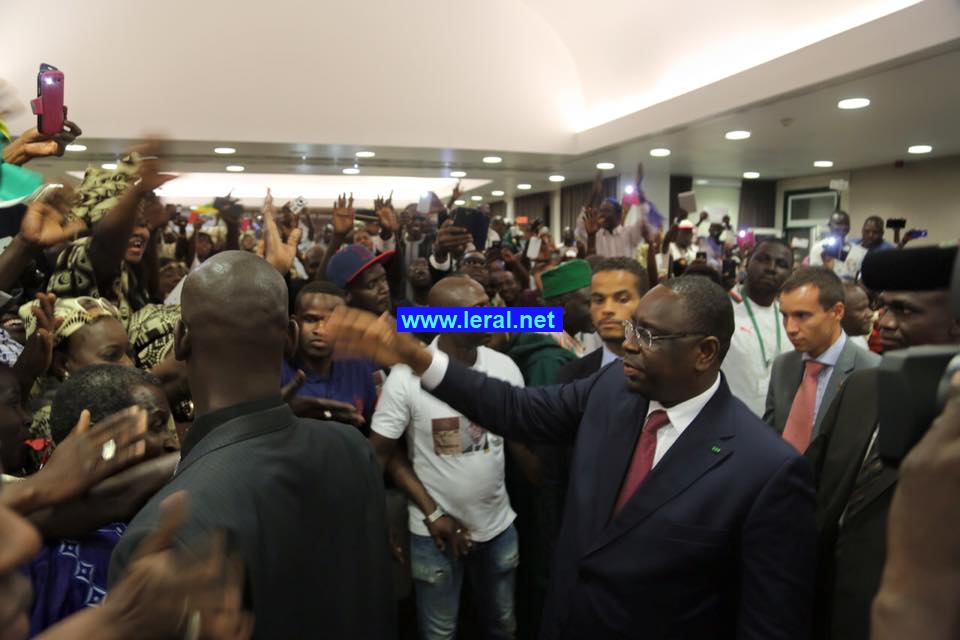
column 624, row 264
column 708, row 306
column 704, row 271
column 779, row 241
column 825, row 280
column 316, row 287
column 103, row 389
column 876, row 219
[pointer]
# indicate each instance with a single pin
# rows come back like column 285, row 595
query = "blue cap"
column 350, row 262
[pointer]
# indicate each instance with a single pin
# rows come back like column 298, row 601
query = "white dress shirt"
column 828, row 358
column 608, row 356
column 680, row 414
column 622, row 242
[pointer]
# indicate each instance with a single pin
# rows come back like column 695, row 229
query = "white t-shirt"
column 747, row 373
column 460, row 463
column 848, row 269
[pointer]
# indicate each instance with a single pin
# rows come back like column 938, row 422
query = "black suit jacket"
column 849, row 557
column 302, row 501
column 718, row 542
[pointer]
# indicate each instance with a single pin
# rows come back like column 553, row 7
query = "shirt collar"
column 831, row 355
column 683, row 413
column 608, row 356
column 206, row 423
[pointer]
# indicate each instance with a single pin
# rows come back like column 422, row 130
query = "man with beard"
column 666, row 461
column 460, row 519
column 758, row 336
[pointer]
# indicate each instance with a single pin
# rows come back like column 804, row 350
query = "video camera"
column 913, row 382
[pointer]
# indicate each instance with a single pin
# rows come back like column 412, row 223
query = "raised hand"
column 87, row 456
column 278, row 253
column 356, row 333
column 452, row 239
column 33, row 144
column 343, row 214
column 591, row 221
column 43, row 226
column 150, row 165
column 38, row 352
column 387, row 214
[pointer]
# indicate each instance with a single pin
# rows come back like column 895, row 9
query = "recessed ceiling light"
column 605, row 166
column 492, row 159
column 224, row 151
column 523, row 186
column 920, row 148
column 556, row 178
column 853, row 103
column 235, row 168
column 659, row 152
column 365, row 154
column 736, row 135
column 459, row 203
column 76, row 147
column 751, row 175
column 351, row 171
column 702, row 181
column 823, row 164
column 476, row 198
column 458, row 174
column 110, row 166
column 496, row 192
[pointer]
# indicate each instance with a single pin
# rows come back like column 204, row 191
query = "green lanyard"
column 756, row 328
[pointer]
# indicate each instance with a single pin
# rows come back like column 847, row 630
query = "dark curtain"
column 498, row 208
column 758, row 203
column 535, row 205
column 679, row 184
column 574, row 197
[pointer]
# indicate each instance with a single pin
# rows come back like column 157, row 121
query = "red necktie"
column 642, row 460
column 799, row 425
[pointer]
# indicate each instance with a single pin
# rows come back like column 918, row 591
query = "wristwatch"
column 433, row 517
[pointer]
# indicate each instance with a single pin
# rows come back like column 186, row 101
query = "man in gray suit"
column 804, row 382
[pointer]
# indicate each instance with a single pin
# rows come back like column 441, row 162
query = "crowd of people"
column 210, row 427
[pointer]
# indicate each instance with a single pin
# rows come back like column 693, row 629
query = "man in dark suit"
column 804, row 382
column 854, row 488
column 687, row 517
column 301, row 501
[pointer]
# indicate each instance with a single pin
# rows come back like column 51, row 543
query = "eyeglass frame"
column 632, row 331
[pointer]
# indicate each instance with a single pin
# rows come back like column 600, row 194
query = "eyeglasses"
column 646, row 339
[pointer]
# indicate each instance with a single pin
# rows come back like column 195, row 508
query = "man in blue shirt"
column 872, row 235
column 325, row 388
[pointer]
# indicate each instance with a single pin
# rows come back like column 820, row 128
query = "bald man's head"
column 236, row 298
column 457, row 291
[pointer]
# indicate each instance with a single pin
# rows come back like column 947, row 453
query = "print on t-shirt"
column 456, row 436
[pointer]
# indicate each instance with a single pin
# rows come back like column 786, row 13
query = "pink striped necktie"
column 799, row 425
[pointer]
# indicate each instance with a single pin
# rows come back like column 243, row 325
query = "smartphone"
column 918, row 233
column 48, row 105
column 896, row 223
column 298, row 205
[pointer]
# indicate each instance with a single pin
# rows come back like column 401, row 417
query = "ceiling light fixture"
column 76, row 147
column 853, row 103
column 224, row 151
column 351, row 171
column 496, row 193
column 523, row 186
column 459, row 203
column 109, row 166
column 492, row 159
column 365, row 154
column 920, row 148
column 605, row 166
column 659, row 152
column 556, row 178
column 235, row 168
column 736, row 135
column 751, row 175
column 701, row 181
column 476, row 198
column 823, row 164
column 458, row 174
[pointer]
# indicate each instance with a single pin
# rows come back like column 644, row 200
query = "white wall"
column 715, row 198
column 925, row 192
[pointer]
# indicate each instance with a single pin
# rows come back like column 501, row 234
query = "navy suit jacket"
column 718, row 542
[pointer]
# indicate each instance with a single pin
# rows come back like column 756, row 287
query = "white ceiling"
column 511, row 75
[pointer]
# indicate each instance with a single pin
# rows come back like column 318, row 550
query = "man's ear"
column 839, row 310
column 292, row 340
column 708, row 354
column 181, row 342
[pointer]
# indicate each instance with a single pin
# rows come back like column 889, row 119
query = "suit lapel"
column 607, row 466
column 793, row 370
column 845, row 365
column 704, row 444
